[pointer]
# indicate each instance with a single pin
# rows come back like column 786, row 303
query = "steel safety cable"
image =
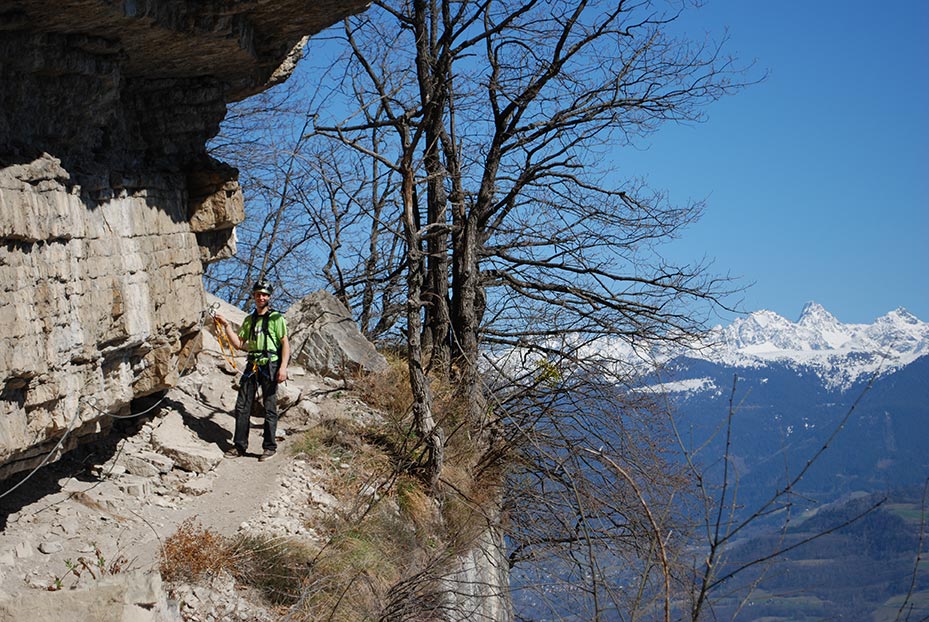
column 93, row 406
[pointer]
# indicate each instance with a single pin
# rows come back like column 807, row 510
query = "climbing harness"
column 261, row 354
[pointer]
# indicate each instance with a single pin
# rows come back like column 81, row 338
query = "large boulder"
column 325, row 340
column 175, row 440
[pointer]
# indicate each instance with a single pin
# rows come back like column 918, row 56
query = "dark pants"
column 266, row 378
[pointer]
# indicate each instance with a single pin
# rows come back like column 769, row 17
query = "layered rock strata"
column 109, row 205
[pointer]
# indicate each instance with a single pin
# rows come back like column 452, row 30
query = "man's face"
column 261, row 299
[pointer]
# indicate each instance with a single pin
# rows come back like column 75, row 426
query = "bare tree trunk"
column 470, row 299
column 468, row 311
column 433, row 89
column 423, row 420
column 373, row 260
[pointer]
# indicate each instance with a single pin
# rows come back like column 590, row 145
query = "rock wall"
column 96, row 303
column 109, row 205
column 479, row 589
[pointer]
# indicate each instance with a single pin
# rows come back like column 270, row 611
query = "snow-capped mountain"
column 792, row 386
column 839, row 354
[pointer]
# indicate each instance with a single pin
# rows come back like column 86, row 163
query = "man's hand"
column 234, row 340
column 282, row 374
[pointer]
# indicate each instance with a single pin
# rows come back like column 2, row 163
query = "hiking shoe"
column 235, row 452
column 267, row 455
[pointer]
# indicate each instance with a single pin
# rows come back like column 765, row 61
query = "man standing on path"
column 264, row 336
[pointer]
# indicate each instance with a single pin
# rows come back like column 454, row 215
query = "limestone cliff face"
column 479, row 589
column 109, row 206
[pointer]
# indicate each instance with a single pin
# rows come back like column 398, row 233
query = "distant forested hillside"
column 783, row 416
column 861, row 572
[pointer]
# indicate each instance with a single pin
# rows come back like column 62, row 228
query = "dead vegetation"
column 277, row 567
column 389, row 545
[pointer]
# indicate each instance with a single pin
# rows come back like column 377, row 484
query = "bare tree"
column 501, row 112
column 488, row 129
column 310, row 206
column 491, row 121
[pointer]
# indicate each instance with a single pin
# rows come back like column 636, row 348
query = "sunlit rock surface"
column 109, row 205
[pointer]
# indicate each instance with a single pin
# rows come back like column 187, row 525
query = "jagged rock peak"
column 900, row 315
column 840, row 353
column 814, row 313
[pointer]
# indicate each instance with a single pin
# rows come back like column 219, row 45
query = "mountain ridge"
column 840, row 354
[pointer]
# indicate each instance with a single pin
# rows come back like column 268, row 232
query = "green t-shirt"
column 256, row 342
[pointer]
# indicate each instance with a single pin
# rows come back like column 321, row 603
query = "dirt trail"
column 82, row 503
column 240, row 487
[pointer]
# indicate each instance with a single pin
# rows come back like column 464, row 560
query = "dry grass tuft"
column 334, row 436
column 354, row 572
column 278, row 567
column 462, row 512
column 388, row 391
column 354, row 466
column 192, row 552
column 415, row 505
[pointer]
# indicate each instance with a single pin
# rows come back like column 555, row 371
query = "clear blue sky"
column 817, row 179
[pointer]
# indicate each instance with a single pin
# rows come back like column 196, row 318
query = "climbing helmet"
column 263, row 286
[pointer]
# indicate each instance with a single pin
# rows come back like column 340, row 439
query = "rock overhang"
column 240, row 43
column 127, row 85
